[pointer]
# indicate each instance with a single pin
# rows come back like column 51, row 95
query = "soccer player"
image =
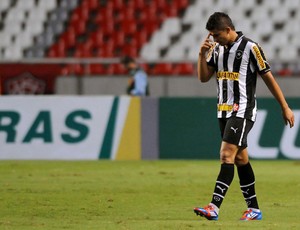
column 138, row 82
column 235, row 60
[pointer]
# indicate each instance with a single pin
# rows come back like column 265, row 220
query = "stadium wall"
column 160, row 86
column 133, row 128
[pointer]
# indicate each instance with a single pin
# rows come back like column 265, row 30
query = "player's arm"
column 205, row 71
column 274, row 88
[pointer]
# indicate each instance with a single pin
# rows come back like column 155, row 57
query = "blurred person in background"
column 138, row 81
column 236, row 61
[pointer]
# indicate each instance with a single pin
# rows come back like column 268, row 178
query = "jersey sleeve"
column 259, row 59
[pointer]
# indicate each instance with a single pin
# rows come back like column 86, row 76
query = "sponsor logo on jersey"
column 259, row 57
column 225, row 75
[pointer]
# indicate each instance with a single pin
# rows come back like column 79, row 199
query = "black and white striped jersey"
column 236, row 69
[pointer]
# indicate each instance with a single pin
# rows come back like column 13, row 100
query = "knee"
column 228, row 153
column 226, row 157
column 240, row 161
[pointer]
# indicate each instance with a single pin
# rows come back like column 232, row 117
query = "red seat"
column 184, row 69
column 73, row 69
column 140, row 37
column 130, row 50
column 118, row 68
column 97, row 69
column 92, row 4
column 106, row 50
column 104, row 15
column 107, row 28
column 118, row 38
column 171, row 11
column 129, row 26
column 162, row 68
column 150, row 26
column 97, row 38
column 78, row 27
column 116, row 4
column 68, row 37
column 58, row 49
column 137, row 4
column 81, row 13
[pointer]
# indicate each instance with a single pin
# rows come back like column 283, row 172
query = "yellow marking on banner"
column 130, row 142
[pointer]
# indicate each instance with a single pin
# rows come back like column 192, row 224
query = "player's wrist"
column 202, row 54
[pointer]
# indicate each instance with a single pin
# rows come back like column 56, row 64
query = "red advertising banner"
column 16, row 78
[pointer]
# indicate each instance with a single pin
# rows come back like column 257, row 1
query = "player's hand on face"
column 206, row 45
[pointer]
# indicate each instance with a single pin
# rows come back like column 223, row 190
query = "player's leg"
column 246, row 176
column 247, row 185
column 224, row 179
column 228, row 152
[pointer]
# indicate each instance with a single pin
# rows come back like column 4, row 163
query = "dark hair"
column 126, row 60
column 219, row 21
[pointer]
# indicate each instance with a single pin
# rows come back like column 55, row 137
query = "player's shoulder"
column 251, row 43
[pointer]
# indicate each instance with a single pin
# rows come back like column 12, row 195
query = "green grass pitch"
column 140, row 195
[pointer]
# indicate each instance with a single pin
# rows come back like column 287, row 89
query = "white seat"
column 224, row 5
column 279, row 39
column 260, row 14
column 291, row 4
column 23, row 39
column 36, row 14
column 159, row 39
column 171, row 26
column 176, row 53
column 13, row 52
column 47, row 5
column 193, row 52
column 288, row 53
column 245, row 5
column 25, row 4
column 15, row 14
column 149, row 53
column 4, row 4
column 269, row 51
column 244, row 25
column 279, row 15
column 5, row 39
column 186, row 39
column 191, row 15
column 264, row 28
column 271, row 5
column 13, row 27
column 34, row 27
column 203, row 4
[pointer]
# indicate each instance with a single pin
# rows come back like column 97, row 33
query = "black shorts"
column 234, row 130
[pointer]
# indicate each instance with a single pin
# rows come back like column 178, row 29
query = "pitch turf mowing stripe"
column 109, row 133
column 130, row 143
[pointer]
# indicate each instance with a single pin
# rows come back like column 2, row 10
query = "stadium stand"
column 166, row 31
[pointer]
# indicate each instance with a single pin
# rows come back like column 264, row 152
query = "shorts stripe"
column 242, row 135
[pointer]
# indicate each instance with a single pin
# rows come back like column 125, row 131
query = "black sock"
column 222, row 184
column 247, row 184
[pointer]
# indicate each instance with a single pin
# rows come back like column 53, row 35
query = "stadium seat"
column 151, row 30
column 162, row 68
column 184, row 69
